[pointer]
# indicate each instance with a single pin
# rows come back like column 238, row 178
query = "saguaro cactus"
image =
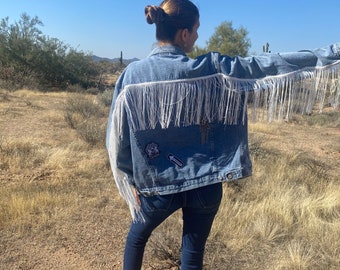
column 265, row 48
column 121, row 58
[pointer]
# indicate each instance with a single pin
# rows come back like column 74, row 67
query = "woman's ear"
column 182, row 38
column 184, row 35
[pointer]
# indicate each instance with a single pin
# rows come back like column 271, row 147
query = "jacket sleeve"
column 117, row 90
column 118, row 136
column 119, row 149
column 271, row 64
column 285, row 83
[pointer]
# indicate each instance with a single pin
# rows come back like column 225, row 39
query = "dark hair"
column 171, row 16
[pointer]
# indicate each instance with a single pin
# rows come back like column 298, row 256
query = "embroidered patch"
column 152, row 150
column 175, row 160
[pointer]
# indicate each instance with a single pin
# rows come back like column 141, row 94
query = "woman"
column 178, row 127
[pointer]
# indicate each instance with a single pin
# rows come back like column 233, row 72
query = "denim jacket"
column 161, row 149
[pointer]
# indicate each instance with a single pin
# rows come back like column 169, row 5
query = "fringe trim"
column 216, row 98
column 120, row 177
column 279, row 97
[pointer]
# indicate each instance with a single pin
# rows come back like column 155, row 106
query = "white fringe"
column 217, row 98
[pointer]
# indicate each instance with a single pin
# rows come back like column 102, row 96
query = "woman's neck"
column 162, row 43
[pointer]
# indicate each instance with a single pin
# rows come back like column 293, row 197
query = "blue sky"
column 107, row 27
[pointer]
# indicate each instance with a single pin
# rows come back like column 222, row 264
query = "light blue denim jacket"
column 174, row 159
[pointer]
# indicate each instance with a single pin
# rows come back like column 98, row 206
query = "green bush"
column 30, row 59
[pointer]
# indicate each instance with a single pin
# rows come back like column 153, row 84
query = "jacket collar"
column 167, row 49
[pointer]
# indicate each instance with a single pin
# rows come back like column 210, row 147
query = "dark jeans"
column 199, row 207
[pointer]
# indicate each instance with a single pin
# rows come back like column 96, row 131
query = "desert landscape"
column 60, row 209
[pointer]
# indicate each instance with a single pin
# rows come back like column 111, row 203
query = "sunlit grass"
column 31, row 207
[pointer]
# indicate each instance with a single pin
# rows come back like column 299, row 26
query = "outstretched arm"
column 284, row 83
column 271, row 64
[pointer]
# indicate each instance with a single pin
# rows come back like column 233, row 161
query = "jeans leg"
column 198, row 217
column 155, row 210
column 135, row 245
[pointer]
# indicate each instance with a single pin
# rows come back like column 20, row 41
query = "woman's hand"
column 135, row 193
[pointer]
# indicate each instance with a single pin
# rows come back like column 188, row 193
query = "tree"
column 18, row 45
column 80, row 69
column 226, row 40
column 27, row 57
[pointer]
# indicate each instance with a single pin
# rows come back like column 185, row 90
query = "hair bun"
column 154, row 14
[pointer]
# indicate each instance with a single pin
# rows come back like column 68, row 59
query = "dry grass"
column 286, row 216
column 59, row 208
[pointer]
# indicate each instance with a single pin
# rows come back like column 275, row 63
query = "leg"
column 198, row 217
column 155, row 210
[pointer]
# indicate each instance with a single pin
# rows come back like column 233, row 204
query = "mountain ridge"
column 113, row 60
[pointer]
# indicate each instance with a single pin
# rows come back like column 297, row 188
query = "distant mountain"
column 113, row 60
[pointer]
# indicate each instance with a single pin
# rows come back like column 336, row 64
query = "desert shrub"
column 85, row 106
column 330, row 119
column 325, row 119
column 106, row 97
column 92, row 91
column 74, row 88
column 92, row 131
column 84, row 114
